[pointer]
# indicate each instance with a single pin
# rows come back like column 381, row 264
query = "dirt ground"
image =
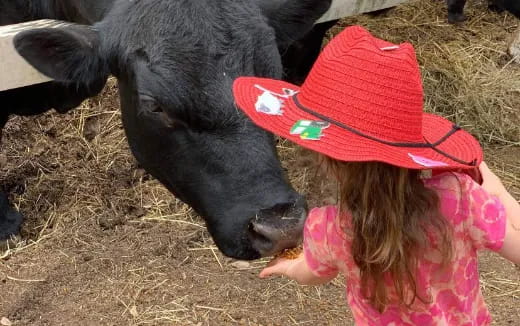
column 106, row 244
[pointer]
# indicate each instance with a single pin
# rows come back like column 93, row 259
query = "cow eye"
column 149, row 104
column 153, row 108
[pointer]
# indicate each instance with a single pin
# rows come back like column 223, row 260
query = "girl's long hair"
column 392, row 215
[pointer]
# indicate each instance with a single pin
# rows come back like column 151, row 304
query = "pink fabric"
column 478, row 221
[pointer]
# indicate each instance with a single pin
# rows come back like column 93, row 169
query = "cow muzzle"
column 279, row 227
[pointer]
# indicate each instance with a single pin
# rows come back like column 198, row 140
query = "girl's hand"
column 280, row 266
column 295, row 269
column 491, row 183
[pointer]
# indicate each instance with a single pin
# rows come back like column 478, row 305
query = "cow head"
column 175, row 62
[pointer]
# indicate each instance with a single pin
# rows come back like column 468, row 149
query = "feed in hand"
column 292, row 253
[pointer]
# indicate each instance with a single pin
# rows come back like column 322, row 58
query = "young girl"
column 406, row 243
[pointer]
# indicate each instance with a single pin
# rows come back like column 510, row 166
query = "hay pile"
column 468, row 75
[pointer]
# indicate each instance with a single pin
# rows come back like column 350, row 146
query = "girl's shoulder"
column 453, row 182
column 323, row 212
column 455, row 191
column 322, row 215
column 474, row 212
column 329, row 221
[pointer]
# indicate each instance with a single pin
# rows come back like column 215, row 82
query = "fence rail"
column 16, row 72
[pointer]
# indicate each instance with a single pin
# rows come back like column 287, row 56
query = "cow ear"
column 69, row 54
column 292, row 19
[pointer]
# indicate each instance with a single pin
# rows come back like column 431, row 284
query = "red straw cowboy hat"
column 363, row 100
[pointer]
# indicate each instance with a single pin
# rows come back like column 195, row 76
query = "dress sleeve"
column 486, row 221
column 316, row 249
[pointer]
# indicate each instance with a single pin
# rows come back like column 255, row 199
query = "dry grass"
column 501, row 286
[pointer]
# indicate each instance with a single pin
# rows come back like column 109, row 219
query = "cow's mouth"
column 278, row 228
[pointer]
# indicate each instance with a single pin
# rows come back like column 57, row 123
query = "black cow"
column 456, row 8
column 175, row 62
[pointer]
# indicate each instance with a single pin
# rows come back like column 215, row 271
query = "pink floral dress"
column 478, row 221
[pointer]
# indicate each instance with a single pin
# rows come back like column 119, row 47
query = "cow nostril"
column 269, row 240
column 265, row 231
column 261, row 239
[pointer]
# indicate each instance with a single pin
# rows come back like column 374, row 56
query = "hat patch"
column 390, row 48
column 287, row 92
column 429, row 163
column 269, row 104
column 309, row 130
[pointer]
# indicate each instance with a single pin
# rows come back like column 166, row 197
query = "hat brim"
column 341, row 144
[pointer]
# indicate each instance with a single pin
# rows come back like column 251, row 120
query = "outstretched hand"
column 280, row 266
column 295, row 269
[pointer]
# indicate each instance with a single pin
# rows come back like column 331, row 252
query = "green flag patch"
column 309, row 130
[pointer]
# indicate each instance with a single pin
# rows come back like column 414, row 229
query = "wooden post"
column 14, row 70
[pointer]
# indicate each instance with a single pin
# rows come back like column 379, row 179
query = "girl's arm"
column 492, row 184
column 511, row 247
column 295, row 269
